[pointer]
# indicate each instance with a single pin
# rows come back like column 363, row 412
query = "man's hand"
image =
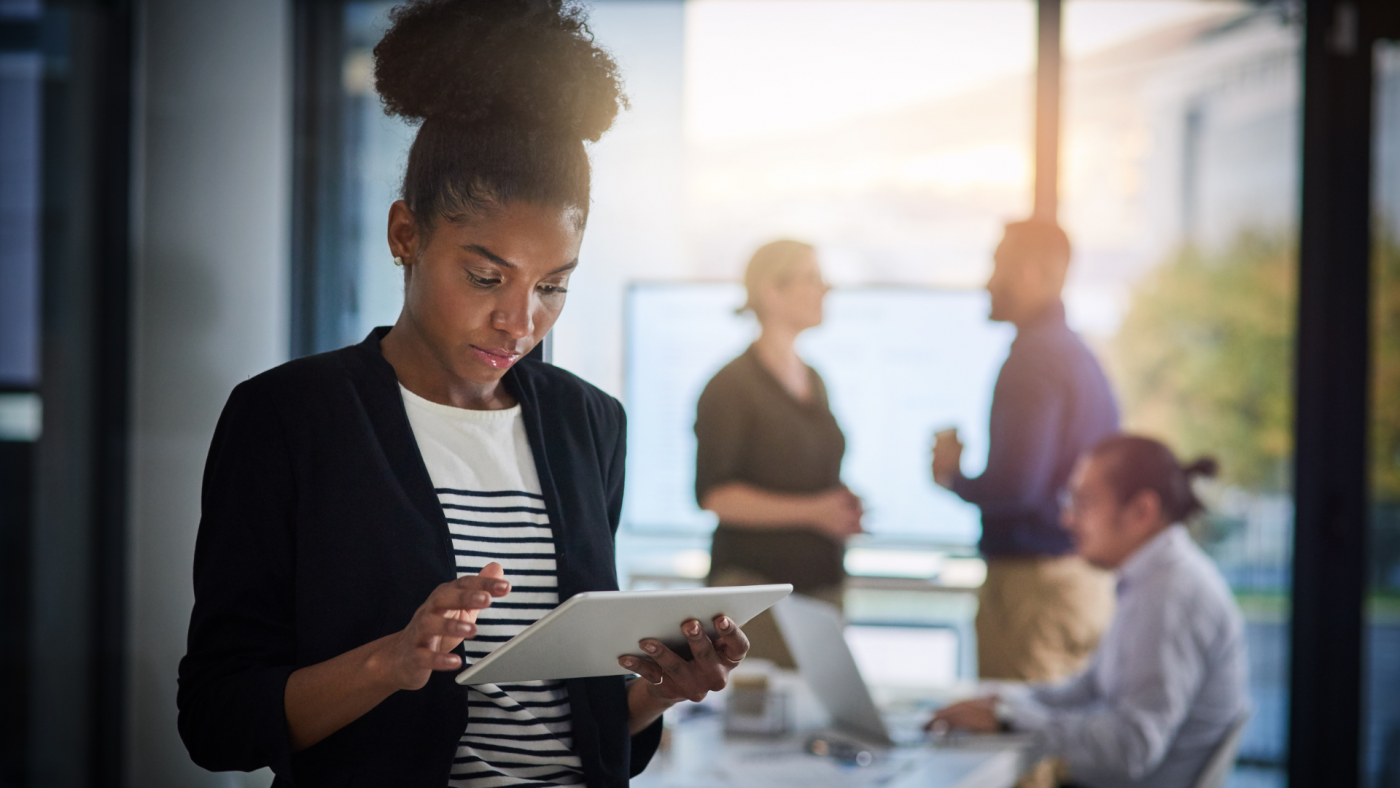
column 947, row 458
column 976, row 716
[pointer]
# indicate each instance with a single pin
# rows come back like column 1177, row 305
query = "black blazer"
column 320, row 532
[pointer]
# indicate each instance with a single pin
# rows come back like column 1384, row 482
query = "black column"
column 321, row 278
column 111, row 357
column 1047, row 110
column 1332, row 380
column 77, row 645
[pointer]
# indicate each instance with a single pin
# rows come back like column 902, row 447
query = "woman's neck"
column 424, row 372
column 776, row 348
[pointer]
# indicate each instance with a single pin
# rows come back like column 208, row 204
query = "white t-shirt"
column 484, row 474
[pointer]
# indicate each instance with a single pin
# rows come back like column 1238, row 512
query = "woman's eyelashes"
column 482, row 280
column 487, row 281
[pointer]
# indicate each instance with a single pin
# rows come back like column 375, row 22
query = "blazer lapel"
column 378, row 390
column 523, row 389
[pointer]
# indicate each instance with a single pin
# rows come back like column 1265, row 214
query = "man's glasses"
column 1070, row 503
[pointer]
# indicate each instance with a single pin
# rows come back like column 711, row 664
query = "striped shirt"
column 484, row 474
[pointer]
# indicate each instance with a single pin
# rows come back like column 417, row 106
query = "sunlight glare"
column 768, row 67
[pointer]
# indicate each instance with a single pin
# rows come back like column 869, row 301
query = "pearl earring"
column 398, row 261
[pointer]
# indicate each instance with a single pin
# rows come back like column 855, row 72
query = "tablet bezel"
column 589, row 622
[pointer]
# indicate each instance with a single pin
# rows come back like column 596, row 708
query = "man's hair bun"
column 1135, row 463
column 1203, row 467
column 530, row 65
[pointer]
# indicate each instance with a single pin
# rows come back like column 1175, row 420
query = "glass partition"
column 896, row 137
column 1382, row 726
column 1180, row 189
column 899, row 159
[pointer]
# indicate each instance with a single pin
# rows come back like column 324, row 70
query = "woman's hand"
column 407, row 659
column 323, row 698
column 837, row 513
column 667, row 678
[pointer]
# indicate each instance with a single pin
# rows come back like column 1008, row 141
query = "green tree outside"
column 1204, row 357
column 1385, row 372
column 1385, row 429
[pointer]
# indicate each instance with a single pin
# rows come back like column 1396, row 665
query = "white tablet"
column 586, row 635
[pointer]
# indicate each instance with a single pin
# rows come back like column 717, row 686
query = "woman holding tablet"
column 768, row 456
column 377, row 517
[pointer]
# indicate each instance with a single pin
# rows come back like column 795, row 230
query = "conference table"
column 699, row 753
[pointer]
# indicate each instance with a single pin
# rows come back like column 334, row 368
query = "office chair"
column 1222, row 761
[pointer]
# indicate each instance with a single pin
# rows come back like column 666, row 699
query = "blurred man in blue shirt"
column 1042, row 609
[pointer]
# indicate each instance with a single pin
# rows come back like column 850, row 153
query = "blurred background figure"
column 769, row 450
column 1042, row 609
column 1167, row 689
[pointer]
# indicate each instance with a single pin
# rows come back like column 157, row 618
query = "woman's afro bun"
column 525, row 64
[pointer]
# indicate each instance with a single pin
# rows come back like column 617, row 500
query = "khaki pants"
column 765, row 639
column 1039, row 619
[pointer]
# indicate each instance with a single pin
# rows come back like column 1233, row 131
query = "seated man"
column 1168, row 679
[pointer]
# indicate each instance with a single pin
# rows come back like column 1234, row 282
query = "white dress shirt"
column 1165, row 684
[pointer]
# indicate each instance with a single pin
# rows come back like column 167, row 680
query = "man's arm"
column 1026, row 425
column 1078, row 690
column 1161, row 669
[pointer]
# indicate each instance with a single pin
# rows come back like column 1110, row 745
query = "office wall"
column 212, row 186
column 635, row 224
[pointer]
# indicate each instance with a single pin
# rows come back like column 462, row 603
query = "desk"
column 701, row 756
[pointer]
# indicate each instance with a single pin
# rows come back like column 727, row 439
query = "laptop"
column 815, row 635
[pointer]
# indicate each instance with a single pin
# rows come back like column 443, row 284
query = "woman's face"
column 796, row 301
column 483, row 293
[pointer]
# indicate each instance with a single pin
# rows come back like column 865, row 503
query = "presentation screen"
column 900, row 363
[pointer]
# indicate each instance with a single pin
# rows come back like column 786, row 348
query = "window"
column 21, row 93
column 894, row 136
column 1382, row 729
column 1180, row 189
column 899, row 153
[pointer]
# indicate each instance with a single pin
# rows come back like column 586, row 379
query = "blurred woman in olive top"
column 769, row 450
